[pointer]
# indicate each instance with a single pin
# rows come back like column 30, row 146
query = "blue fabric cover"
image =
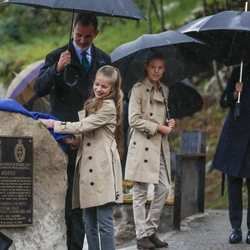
column 12, row 105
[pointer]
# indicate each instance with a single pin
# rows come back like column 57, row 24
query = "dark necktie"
column 85, row 61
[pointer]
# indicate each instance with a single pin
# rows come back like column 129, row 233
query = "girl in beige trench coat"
column 98, row 178
column 148, row 158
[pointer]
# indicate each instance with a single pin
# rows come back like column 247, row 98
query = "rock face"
column 48, row 231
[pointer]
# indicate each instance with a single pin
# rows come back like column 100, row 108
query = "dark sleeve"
column 47, row 76
column 227, row 99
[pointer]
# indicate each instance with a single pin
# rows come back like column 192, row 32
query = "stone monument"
column 47, row 230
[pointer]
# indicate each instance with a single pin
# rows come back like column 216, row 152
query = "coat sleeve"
column 227, row 99
column 94, row 121
column 136, row 119
column 47, row 76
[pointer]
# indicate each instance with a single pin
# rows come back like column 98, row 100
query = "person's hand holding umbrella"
column 170, row 123
column 238, row 88
column 64, row 61
column 236, row 95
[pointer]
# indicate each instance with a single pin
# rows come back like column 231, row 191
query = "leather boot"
column 248, row 237
column 145, row 243
column 236, row 236
column 157, row 241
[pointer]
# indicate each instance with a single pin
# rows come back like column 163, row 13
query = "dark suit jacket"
column 232, row 155
column 65, row 100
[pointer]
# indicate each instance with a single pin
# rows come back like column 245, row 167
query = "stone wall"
column 48, row 231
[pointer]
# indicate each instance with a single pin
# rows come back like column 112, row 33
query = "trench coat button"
column 145, row 160
column 134, row 143
column 150, row 102
column 151, row 114
column 148, row 137
column 90, row 170
column 90, row 157
column 147, row 90
column 92, row 183
column 146, row 149
column 88, row 144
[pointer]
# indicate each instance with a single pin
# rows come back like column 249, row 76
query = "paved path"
column 209, row 231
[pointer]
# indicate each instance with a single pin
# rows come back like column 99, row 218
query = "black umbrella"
column 227, row 33
column 185, row 56
column 184, row 99
column 113, row 8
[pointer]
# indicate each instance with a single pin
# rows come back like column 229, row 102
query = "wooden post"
column 190, row 176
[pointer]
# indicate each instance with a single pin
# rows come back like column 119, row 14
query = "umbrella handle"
column 241, row 64
column 237, row 111
column 240, row 79
column 167, row 113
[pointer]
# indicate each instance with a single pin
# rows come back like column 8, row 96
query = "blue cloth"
column 13, row 106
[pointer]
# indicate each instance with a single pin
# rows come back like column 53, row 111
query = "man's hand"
column 238, row 88
column 64, row 60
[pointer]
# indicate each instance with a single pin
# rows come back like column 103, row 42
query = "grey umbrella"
column 185, row 56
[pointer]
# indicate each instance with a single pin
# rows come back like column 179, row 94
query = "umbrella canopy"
column 184, row 100
column 21, row 88
column 227, row 33
column 114, row 8
column 185, row 56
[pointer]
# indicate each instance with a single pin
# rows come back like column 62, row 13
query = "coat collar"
column 156, row 95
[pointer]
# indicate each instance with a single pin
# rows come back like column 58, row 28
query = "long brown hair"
column 93, row 104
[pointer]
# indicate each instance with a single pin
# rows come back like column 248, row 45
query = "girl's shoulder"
column 109, row 104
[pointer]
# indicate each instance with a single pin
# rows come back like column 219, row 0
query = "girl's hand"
column 171, row 123
column 73, row 141
column 164, row 129
column 47, row 122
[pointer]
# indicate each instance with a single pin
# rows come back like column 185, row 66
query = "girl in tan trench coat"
column 148, row 158
column 98, row 178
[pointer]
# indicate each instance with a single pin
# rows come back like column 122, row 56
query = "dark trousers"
column 235, row 201
column 73, row 217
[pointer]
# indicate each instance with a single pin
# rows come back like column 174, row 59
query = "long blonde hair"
column 93, row 104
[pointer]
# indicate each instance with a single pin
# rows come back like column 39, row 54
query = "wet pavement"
column 208, row 231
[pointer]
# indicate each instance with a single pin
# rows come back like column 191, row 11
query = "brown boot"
column 157, row 242
column 145, row 243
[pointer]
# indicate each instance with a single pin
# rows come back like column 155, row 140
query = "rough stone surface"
column 48, row 231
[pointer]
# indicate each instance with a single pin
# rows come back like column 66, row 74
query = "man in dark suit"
column 67, row 75
column 232, row 155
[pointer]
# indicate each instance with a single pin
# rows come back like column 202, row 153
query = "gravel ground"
column 208, row 231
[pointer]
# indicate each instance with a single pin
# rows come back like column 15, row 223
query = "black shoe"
column 236, row 236
column 145, row 243
column 248, row 237
column 157, row 241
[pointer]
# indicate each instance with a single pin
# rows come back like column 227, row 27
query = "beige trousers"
column 147, row 223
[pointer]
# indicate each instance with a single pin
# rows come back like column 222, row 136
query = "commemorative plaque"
column 16, row 181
